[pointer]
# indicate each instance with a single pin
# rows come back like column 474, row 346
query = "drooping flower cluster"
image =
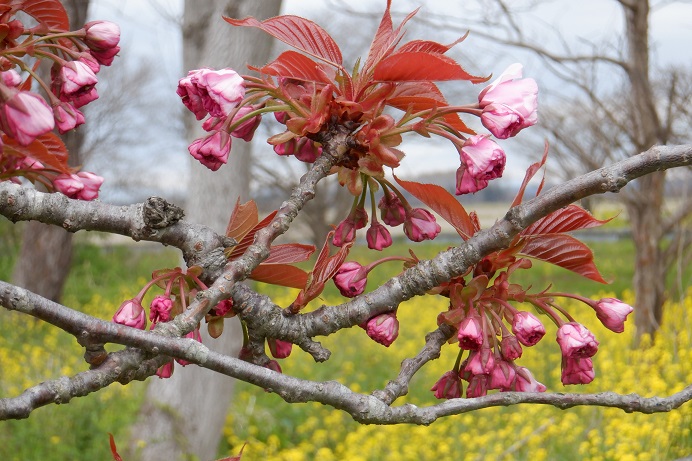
column 27, row 118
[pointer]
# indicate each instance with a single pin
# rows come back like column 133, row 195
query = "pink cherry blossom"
column 24, row 115
column 345, row 232
column 222, row 308
column 131, row 313
column 212, row 151
column 101, row 35
column 577, row 371
column 392, row 211
column 75, row 83
column 420, row 225
column 378, row 237
column 482, row 160
column 509, row 103
column 160, row 309
column 383, row 328
column 279, row 349
column 351, row 279
column 214, row 92
column 10, row 78
column 503, row 375
column 576, row 341
column 612, row 313
column 527, row 328
column 480, row 362
column 470, row 333
column 448, row 386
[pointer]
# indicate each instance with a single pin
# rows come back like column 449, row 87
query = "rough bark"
column 184, row 415
column 45, row 257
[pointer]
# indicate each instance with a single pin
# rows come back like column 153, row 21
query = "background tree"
column 184, row 415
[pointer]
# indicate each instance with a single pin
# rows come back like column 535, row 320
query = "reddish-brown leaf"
column 247, row 240
column 298, row 32
column 418, row 96
column 47, row 149
column 295, row 65
column 243, row 219
column 443, row 203
column 280, row 274
column 288, row 253
column 114, row 449
column 49, row 12
column 530, row 172
column 386, row 38
column 565, row 219
column 421, row 66
column 564, row 251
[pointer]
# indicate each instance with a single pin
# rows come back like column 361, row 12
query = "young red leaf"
column 243, row 218
column 295, row 65
column 443, row 203
column 47, row 149
column 428, row 46
column 298, row 32
column 48, row 12
column 565, row 219
column 386, row 39
column 289, row 253
column 114, row 449
column 564, row 251
column 249, row 237
column 420, row 66
column 530, row 172
column 280, row 274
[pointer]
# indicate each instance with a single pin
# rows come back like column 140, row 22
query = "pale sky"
column 149, row 29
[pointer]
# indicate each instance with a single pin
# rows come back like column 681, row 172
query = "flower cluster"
column 26, row 117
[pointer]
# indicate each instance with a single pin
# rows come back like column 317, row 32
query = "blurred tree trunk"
column 45, row 256
column 184, row 416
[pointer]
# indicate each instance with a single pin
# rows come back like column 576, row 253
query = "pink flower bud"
column 24, row 116
column 577, row 371
column 510, row 103
column 470, row 333
column 67, row 117
column 378, row 237
column 105, row 57
column 345, row 232
column 527, row 328
column 246, row 130
column 613, row 313
column 420, row 225
column 383, row 328
column 11, row 78
column 279, row 349
column 165, row 371
column 212, row 151
column 525, row 382
column 306, row 150
column 131, row 313
column 75, row 83
column 101, row 35
column 510, row 348
column 214, row 92
column 392, row 211
column 502, row 376
column 274, row 366
column 448, row 386
column 351, row 279
column 478, row 386
column 222, row 308
column 160, row 309
column 576, row 341
column 482, row 160
column 480, row 362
